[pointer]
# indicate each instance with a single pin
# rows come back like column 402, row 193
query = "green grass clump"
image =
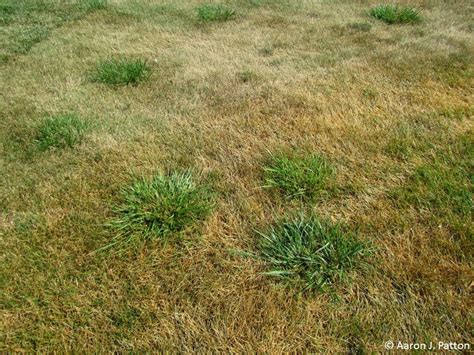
column 92, row 5
column 214, row 13
column 159, row 207
column 121, row 71
column 395, row 14
column 309, row 252
column 296, row 176
column 63, row 131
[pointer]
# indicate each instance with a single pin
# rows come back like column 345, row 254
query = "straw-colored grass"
column 389, row 107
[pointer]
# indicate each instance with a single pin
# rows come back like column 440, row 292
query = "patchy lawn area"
column 235, row 176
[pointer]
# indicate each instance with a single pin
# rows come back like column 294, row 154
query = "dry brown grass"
column 319, row 85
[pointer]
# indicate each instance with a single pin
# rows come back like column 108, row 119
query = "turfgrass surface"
column 387, row 106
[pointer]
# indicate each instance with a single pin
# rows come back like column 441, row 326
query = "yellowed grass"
column 318, row 88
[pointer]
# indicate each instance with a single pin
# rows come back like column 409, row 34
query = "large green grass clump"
column 160, row 206
column 121, row 71
column 63, row 131
column 214, row 13
column 298, row 176
column 395, row 14
column 310, row 252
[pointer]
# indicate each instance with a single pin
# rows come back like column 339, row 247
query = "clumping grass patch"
column 63, row 131
column 297, row 176
column 160, row 206
column 346, row 92
column 395, row 14
column 121, row 71
column 310, row 252
column 214, row 13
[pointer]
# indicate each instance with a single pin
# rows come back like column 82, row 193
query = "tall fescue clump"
column 297, row 176
column 395, row 14
column 63, row 131
column 159, row 207
column 214, row 13
column 121, row 71
column 310, row 253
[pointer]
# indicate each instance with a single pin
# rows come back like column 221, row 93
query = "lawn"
column 235, row 176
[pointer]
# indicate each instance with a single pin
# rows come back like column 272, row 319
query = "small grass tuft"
column 121, row 71
column 63, row 131
column 296, row 176
column 395, row 14
column 159, row 207
column 214, row 13
column 310, row 252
